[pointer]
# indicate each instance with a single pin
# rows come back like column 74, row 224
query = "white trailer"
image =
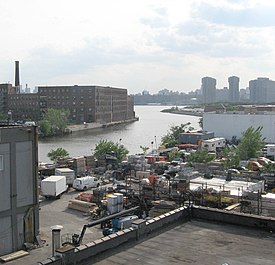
column 269, row 150
column 53, row 186
column 213, row 144
column 68, row 173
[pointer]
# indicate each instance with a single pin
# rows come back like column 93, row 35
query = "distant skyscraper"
column 262, row 90
column 208, row 88
column 222, row 95
column 234, row 92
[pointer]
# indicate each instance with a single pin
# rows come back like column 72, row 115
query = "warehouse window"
column 1, row 162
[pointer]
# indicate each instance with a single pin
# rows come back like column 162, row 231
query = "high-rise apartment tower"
column 234, row 90
column 208, row 88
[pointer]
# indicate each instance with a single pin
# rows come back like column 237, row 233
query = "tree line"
column 250, row 146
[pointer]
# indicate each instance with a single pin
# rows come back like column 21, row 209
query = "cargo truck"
column 68, row 173
column 53, row 186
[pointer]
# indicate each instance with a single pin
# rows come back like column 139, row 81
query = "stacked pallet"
column 82, row 206
column 90, row 162
column 79, row 165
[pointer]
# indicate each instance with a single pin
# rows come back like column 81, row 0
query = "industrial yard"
column 89, row 205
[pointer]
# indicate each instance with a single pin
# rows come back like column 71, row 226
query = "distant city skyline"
column 137, row 45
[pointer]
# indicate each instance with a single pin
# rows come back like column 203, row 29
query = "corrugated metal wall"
column 19, row 210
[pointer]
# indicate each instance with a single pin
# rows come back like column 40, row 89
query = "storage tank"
column 119, row 201
column 112, row 204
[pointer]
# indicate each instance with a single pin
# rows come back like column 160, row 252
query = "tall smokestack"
column 17, row 81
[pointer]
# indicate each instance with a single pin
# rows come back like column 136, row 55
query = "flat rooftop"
column 197, row 242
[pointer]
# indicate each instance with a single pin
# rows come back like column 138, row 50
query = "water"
column 152, row 125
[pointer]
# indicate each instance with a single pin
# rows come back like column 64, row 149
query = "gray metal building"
column 195, row 137
column 19, row 216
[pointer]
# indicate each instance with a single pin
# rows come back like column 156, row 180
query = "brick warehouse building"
column 85, row 103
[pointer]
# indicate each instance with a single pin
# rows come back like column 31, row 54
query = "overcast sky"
column 137, row 44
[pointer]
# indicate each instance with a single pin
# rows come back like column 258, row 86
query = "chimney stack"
column 17, row 81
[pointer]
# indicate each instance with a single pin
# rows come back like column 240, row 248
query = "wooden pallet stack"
column 82, row 206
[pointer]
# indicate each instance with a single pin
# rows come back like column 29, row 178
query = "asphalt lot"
column 56, row 212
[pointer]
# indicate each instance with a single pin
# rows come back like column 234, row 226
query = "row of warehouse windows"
column 66, row 97
column 63, row 90
column 82, row 109
column 23, row 98
column 23, row 103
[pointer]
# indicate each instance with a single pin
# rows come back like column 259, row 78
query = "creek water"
column 152, row 125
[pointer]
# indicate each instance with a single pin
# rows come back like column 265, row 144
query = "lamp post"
column 9, row 117
column 156, row 143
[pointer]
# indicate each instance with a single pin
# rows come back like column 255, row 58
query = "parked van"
column 85, row 183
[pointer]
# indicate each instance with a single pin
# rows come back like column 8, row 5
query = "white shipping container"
column 53, row 186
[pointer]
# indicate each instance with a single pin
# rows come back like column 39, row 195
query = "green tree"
column 106, row 147
column 3, row 116
column 201, row 156
column 250, row 144
column 45, row 127
column 174, row 155
column 172, row 136
column 231, row 157
column 144, row 149
column 60, row 152
column 54, row 122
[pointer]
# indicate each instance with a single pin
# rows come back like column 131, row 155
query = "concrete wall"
column 216, row 215
column 98, row 246
column 95, row 247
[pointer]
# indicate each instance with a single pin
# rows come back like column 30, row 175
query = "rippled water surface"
column 152, row 125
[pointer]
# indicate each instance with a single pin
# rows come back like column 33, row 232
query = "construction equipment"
column 77, row 239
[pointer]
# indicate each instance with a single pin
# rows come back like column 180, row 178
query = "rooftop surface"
column 197, row 242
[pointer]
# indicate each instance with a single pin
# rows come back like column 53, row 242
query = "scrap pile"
column 160, row 207
column 85, row 196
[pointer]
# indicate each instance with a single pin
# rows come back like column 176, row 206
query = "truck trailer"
column 53, row 186
column 68, row 173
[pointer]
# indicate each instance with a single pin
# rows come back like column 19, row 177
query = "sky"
column 138, row 45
